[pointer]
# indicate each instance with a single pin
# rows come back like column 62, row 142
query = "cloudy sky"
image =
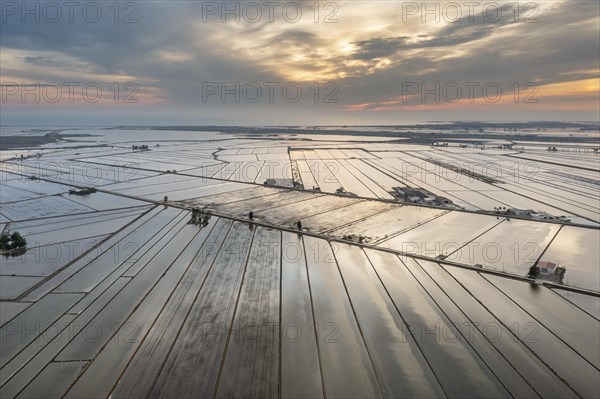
column 303, row 62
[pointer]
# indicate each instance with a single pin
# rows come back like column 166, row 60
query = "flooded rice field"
column 227, row 266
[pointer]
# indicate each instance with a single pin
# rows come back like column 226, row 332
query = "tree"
column 18, row 240
column 14, row 241
column 196, row 214
column 5, row 242
column 534, row 271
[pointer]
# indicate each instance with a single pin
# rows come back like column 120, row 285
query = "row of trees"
column 14, row 241
column 199, row 217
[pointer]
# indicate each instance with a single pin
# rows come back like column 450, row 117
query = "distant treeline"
column 416, row 133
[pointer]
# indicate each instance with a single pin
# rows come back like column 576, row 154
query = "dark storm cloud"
column 563, row 46
column 464, row 30
column 380, row 47
column 297, row 36
column 105, row 43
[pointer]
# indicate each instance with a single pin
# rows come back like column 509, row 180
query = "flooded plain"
column 215, row 265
